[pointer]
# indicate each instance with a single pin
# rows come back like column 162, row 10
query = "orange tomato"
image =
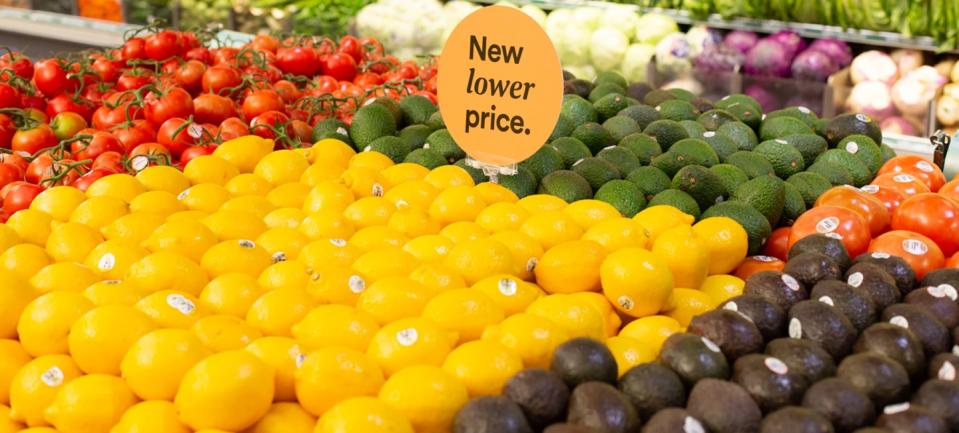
column 836, row 222
column 920, row 167
column 889, row 197
column 778, row 243
column 867, row 206
column 755, row 264
column 922, row 254
column 904, row 183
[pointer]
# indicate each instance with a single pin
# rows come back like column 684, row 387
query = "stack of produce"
column 780, row 55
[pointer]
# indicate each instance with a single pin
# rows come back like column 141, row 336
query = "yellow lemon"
column 462, row 231
column 276, row 311
column 402, row 173
column 478, row 259
column 458, row 203
column 112, row 292
column 228, row 390
column 210, row 169
column 526, row 251
column 63, row 276
column 578, row 317
column 36, row 386
column 281, row 167
column 31, row 225
column 319, row 173
column 588, row 213
column 336, row 286
column 222, row 333
column 166, row 271
column 629, row 352
column 330, row 375
column 156, row 363
column 161, row 203
column 285, row 417
column 371, row 238
column 412, row 222
column 232, row 225
column 551, row 228
column 684, row 304
column 409, row 342
column 657, row 219
column 428, row 396
column 15, row 295
column 244, row 152
column 721, row 288
column 98, row 212
column 8, row 237
column 150, row 417
column 9, row 425
column 326, row 224
column 651, row 330
column 369, row 211
column 58, row 202
column 241, row 256
column 363, row 414
column 171, row 308
column 418, row 193
column 121, row 186
column 100, row 338
column 72, row 242
column 570, row 267
column 254, row 205
column 372, row 160
column 113, row 258
column 335, row 325
column 538, row 203
column 291, row 195
column 133, row 228
column 361, row 181
column 283, row 355
column 190, row 239
column 686, row 255
column 46, row 322
column 331, row 195
column 332, row 150
column 483, row 366
column 163, row 178
column 285, row 275
column 726, row 241
column 392, row 298
column 617, row 233
column 448, row 176
column 495, row 193
column 206, row 197
column 512, row 294
column 464, row 311
column 12, row 358
column 384, row 262
column 599, row 301
column 437, row 277
column 502, row 216
column 284, row 217
column 636, row 281
column 429, row 248
column 282, row 243
column 24, row 260
column 90, row 404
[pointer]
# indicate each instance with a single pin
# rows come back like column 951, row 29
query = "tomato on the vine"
column 232, row 128
column 64, row 103
column 83, row 182
column 134, row 133
column 212, row 108
column 9, row 173
column 67, row 124
column 7, row 129
column 162, row 45
column 19, row 63
column 108, row 70
column 217, row 79
column 190, row 153
column 298, row 61
column 173, row 103
column 134, row 49
column 268, row 124
column 20, row 196
column 833, row 221
column 932, row 215
column 917, row 166
column 9, row 96
column 922, row 254
column 189, row 75
column 778, row 243
column 148, row 154
column 953, row 261
column 95, row 144
column 51, row 78
column 34, row 139
column 340, row 66
column 261, row 101
column 134, row 79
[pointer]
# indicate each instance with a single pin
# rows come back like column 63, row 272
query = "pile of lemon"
column 320, row 290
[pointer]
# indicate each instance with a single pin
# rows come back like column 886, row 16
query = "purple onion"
column 791, row 42
column 741, row 40
column 767, row 100
column 769, row 59
column 838, row 50
column 813, row 65
column 718, row 58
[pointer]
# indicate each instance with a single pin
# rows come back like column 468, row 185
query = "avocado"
column 582, row 360
column 642, row 146
column 942, row 398
column 642, row 114
column 724, row 407
column 730, row 176
column 785, row 159
column 681, row 93
column 578, row 87
column 755, row 224
column 393, row 147
column 777, row 287
column 740, row 133
column 702, row 104
column 621, row 126
column 477, row 174
column 770, row 382
column 567, row 185
column 897, row 268
column 753, row 164
column 824, row 324
column 875, row 282
column 765, row 194
column 541, row 394
column 767, row 316
column 746, row 114
column 370, row 122
column 657, row 96
column 809, row 145
column 596, row 171
column 570, row 149
column 831, row 171
column 800, row 113
column 810, row 185
column 886, row 152
column 818, row 243
column 693, row 358
column 861, row 174
column 932, row 333
column 693, row 128
column 896, row 342
column 775, row 127
column 907, row 417
column 810, row 268
column 848, row 124
column 944, row 366
column 568, row 428
column 677, row 199
column 843, row 404
column 442, row 142
column 793, row 205
column 545, row 161
column 820, row 127
column 415, row 135
column 735, row 335
column 604, row 89
column 436, row 121
column 673, row 420
column 738, row 99
column 878, row 377
column 700, row 183
column 393, row 107
column 579, row 111
column 694, row 151
column 490, row 414
column 854, row 302
column 602, row 407
column 332, row 128
column 623, row 159
column 805, row 357
column 665, row 132
column 721, row 144
column 607, row 106
column 938, row 300
column 715, row 118
column 610, row 77
column 863, row 148
column 426, row 157
column 624, row 195
column 416, row 109
column 523, row 183
column 949, row 276
column 677, row 109
column 795, row 419
column 594, row 136
column 652, row 387
column 650, row 180
column 563, row 128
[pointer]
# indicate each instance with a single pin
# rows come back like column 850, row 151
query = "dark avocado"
column 896, row 342
column 568, row 428
column 577, row 86
column 848, row 124
column 935, row 337
column 795, row 419
column 693, row 358
column 895, row 266
column 673, row 420
column 777, row 287
column 732, row 332
column 942, row 398
column 767, row 316
column 810, row 268
column 541, row 394
column 853, row 302
column 944, row 366
column 876, row 282
column 652, row 387
column 817, row 243
column 724, row 407
column 877, row 376
column 805, row 357
column 911, row 418
column 940, row 300
column 770, row 382
column 638, row 91
column 602, row 407
column 936, row 277
column 841, row 403
column 490, row 415
column 702, row 104
column 824, row 324
column 582, row 360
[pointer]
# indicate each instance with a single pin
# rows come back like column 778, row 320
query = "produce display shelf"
column 858, row 36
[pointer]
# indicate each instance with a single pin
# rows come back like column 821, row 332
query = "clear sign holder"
column 492, row 171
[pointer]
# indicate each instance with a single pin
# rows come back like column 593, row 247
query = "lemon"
column 429, row 248
column 437, row 277
column 24, row 260
column 371, row 160
column 150, row 417
column 686, row 255
column 230, row 294
column 495, row 193
column 332, row 196
column 478, row 259
column 290, row 195
column 121, row 186
column 326, row 224
column 335, row 325
column 428, row 396
column 409, row 342
column 163, row 178
column 483, row 367
column 464, row 311
column 526, row 251
column 371, row 238
column 538, row 203
column 578, row 317
column 651, row 330
column 36, row 385
column 617, row 233
column 112, row 292
column 285, row 275
column 166, row 271
column 58, row 202
column 363, row 414
column 588, row 213
column 721, row 288
column 684, row 304
column 282, row 243
column 281, row 167
column 283, row 355
column 90, row 404
column 657, row 219
column 15, row 295
column 9, row 425
column 512, row 294
column 726, row 241
column 46, row 321
column 284, row 217
column 285, row 417
column 331, row 150
column 228, row 390
column 132, row 228
column 97, row 212
column 412, row 222
column 100, row 338
column 190, row 239
column 72, row 242
column 244, row 152
column 330, row 375
column 369, row 211
column 551, row 228
column 241, row 256
column 393, row 298
column 457, row 203
column 8, row 237
column 161, row 203
column 636, row 281
column 418, row 194
column 570, row 267
column 63, row 276
column 448, row 176
column 402, row 173
column 384, row 262
column 254, row 205
column 319, row 173
column 276, row 311
column 31, row 225
column 462, row 231
column 231, row 225
column 12, row 358
column 112, row 258
column 601, row 304
column 206, row 197
column 222, row 333
column 502, row 216
column 361, row 181
column 629, row 352
column 156, row 363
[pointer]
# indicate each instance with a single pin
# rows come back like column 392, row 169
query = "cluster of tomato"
column 909, row 210
column 168, row 97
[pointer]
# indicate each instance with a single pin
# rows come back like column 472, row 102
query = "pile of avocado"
column 829, row 345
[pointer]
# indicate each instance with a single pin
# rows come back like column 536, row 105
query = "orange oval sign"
column 500, row 85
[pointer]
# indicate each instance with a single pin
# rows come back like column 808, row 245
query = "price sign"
column 500, row 85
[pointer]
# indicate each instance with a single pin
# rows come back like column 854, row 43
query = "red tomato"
column 351, row 45
column 867, row 206
column 9, row 173
column 9, row 96
column 220, row 78
column 756, row 264
column 194, row 152
column 232, row 128
column 921, row 168
column 94, row 146
column 778, row 244
column 889, row 197
column 261, row 101
column 106, row 69
column 178, row 135
column 932, row 215
column 301, row 131
column 905, row 183
column 953, row 261
column 134, row 49
column 51, row 79
column 297, row 61
column 922, row 254
column 152, row 153
column 83, row 182
column 212, row 108
column 200, row 54
column 176, row 102
column 18, row 63
column 109, row 161
column 64, row 103
column 189, row 75
column 267, row 124
column 287, row 90
column 162, row 45
column 7, row 129
column 136, row 133
column 34, row 140
column 951, row 189
column 15, row 159
column 134, row 79
column 264, row 42
column 340, row 66
column 833, row 221
column 20, row 196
